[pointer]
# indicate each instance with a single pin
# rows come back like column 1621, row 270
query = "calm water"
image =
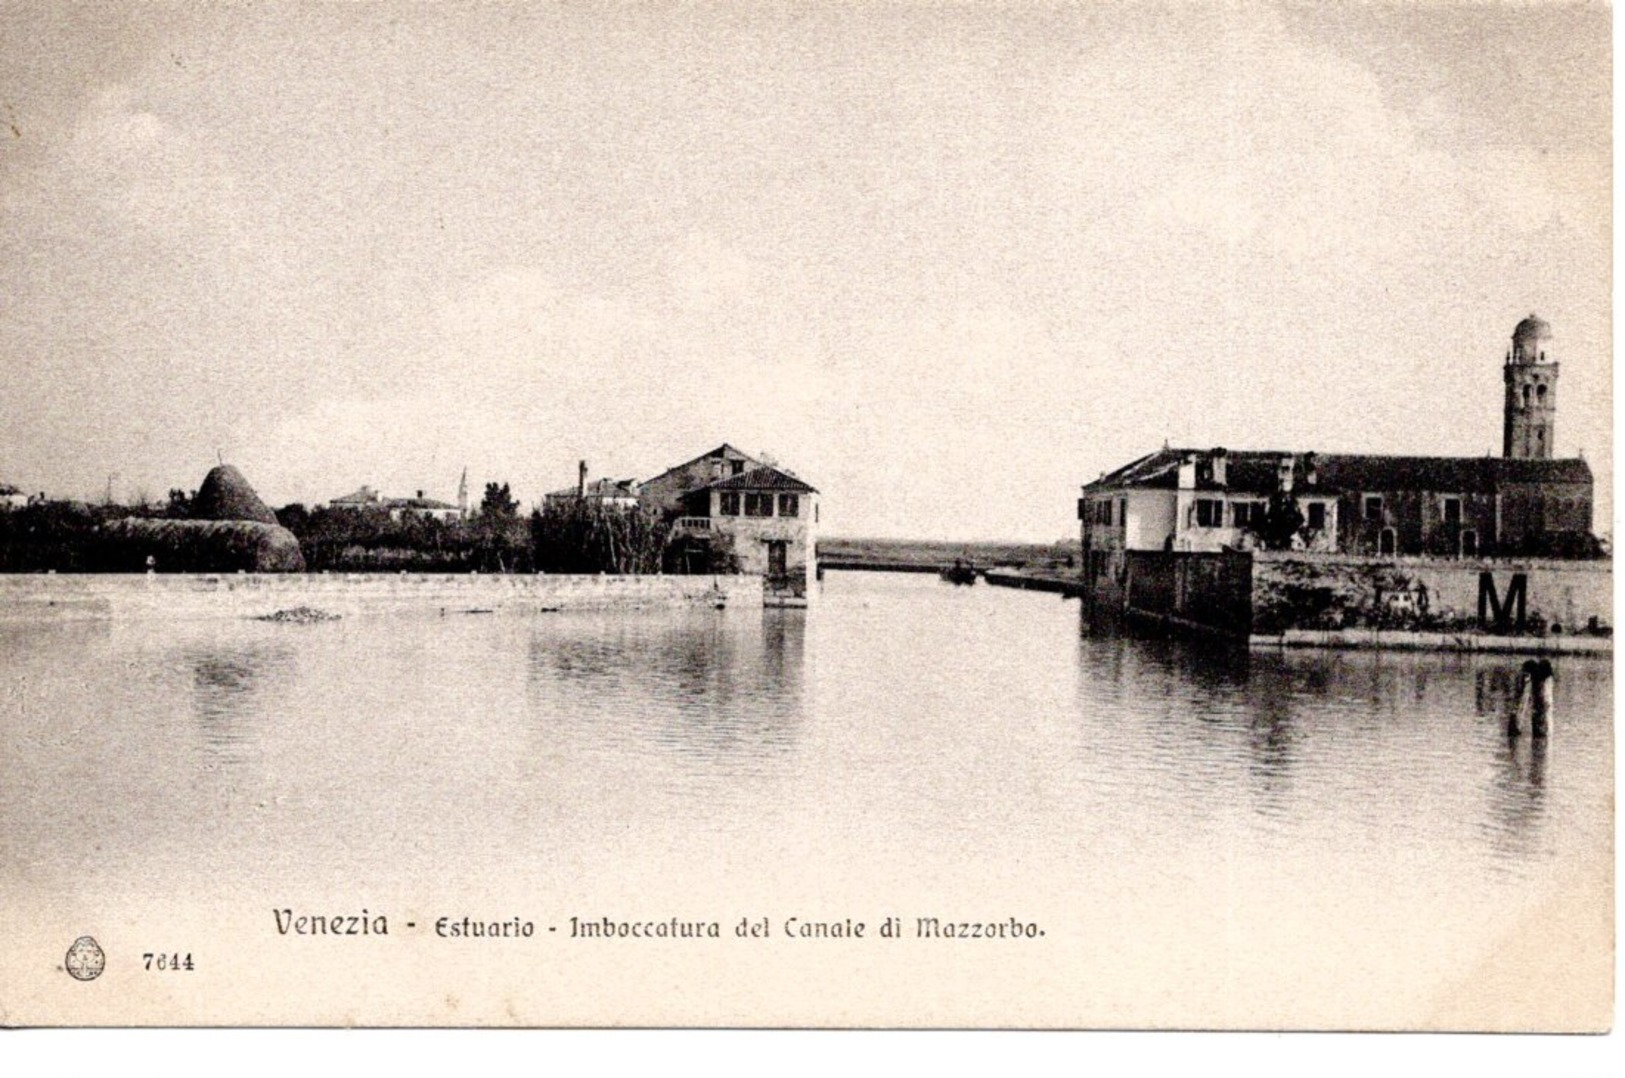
column 1191, row 827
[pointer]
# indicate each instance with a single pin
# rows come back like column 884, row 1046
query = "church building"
column 1523, row 503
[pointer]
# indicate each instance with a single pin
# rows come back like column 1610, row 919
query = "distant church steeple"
column 1531, row 398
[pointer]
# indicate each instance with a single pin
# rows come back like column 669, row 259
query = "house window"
column 1373, row 507
column 789, row 505
column 1317, row 516
column 1209, row 513
column 758, row 505
column 1452, row 510
column 739, row 467
column 1248, row 514
column 1469, row 544
column 1122, row 511
column 1386, row 541
column 730, row 504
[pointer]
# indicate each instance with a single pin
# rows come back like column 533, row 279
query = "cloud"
column 523, row 374
column 938, row 260
column 149, row 173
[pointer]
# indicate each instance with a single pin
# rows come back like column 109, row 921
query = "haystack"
column 226, row 495
column 202, row 546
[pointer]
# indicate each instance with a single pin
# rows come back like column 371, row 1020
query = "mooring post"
column 1534, row 696
column 1540, row 698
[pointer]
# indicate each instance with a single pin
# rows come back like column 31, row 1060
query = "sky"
column 945, row 262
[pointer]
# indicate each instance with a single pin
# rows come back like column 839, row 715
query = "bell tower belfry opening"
column 1531, row 393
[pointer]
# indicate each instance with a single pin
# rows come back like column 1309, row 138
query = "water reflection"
column 228, row 683
column 21, row 641
column 1517, row 797
column 1517, row 789
column 1493, row 692
column 714, row 689
column 925, row 728
column 1393, row 745
column 1272, row 752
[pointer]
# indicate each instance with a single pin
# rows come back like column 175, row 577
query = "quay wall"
column 101, row 596
column 1320, row 592
column 847, row 565
column 1067, row 582
column 1212, row 591
column 1403, row 640
column 1302, row 599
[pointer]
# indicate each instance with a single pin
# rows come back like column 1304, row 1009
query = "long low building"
column 1523, row 504
column 1210, row 500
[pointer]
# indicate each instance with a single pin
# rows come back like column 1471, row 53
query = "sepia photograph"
column 829, row 515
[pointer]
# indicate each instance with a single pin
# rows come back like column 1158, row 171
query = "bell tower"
column 1531, row 393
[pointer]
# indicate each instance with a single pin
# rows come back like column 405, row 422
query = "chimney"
column 420, row 495
column 1283, row 474
column 581, row 480
column 1187, row 472
column 1219, row 458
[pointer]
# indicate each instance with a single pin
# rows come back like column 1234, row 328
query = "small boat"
column 960, row 572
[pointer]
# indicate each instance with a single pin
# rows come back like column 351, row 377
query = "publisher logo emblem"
column 85, row 960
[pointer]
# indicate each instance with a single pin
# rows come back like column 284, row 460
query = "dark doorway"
column 778, row 571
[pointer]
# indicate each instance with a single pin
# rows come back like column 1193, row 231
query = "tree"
column 501, row 540
column 498, row 503
column 586, row 536
column 295, row 517
column 1283, row 521
column 180, row 504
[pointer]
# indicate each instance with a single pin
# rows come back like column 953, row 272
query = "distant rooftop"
column 600, row 488
column 1256, row 471
column 416, row 503
column 763, row 478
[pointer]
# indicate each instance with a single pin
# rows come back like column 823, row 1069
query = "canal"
column 1204, row 838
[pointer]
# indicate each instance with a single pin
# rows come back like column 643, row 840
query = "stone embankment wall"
column 1510, row 596
column 1195, row 591
column 95, row 596
column 1339, row 600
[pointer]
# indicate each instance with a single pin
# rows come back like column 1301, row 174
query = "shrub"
column 585, row 536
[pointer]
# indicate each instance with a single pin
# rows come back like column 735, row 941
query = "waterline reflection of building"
column 1393, row 746
column 723, row 689
column 1517, row 798
column 229, row 682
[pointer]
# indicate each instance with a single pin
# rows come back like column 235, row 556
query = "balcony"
column 691, row 524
